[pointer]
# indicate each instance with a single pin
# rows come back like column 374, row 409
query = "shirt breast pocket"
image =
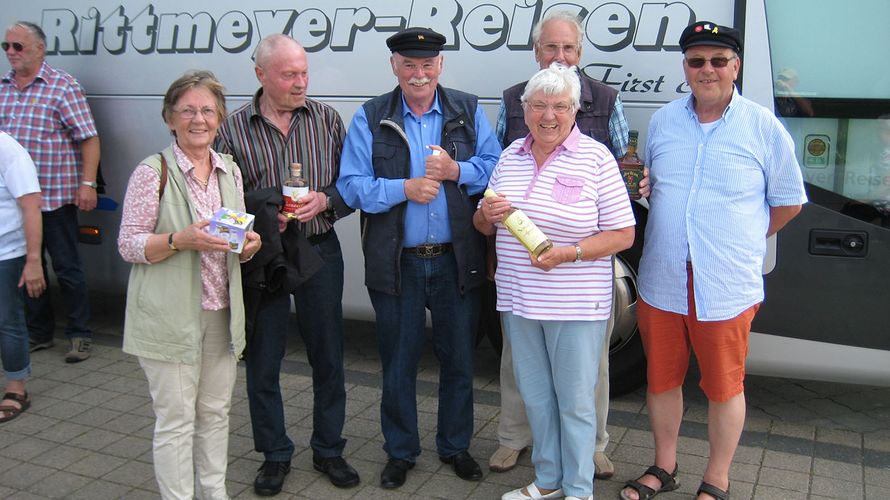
column 41, row 119
column 567, row 189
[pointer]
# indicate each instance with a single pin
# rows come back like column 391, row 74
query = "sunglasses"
column 16, row 46
column 716, row 62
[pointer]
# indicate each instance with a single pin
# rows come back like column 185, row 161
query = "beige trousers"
column 191, row 405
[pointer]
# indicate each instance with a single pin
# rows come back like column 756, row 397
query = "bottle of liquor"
column 631, row 166
column 523, row 229
column 293, row 189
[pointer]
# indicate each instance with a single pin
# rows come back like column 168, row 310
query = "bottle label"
column 525, row 230
column 632, row 176
column 292, row 197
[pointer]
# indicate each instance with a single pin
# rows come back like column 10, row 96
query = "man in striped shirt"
column 46, row 111
column 723, row 178
column 278, row 127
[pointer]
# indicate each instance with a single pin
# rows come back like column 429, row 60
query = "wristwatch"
column 577, row 252
column 91, row 184
column 329, row 203
column 170, row 244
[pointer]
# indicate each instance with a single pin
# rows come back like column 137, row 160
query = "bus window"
column 833, row 96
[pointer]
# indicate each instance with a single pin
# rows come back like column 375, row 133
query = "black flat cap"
column 416, row 42
column 708, row 33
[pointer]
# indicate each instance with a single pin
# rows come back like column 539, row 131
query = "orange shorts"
column 720, row 348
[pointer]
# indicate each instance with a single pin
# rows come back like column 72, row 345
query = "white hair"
column 555, row 80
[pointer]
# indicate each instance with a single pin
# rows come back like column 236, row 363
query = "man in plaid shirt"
column 45, row 110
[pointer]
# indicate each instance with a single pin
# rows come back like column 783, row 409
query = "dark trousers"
column 426, row 283
column 320, row 323
column 60, row 241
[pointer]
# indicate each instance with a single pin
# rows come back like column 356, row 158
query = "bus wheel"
column 627, row 363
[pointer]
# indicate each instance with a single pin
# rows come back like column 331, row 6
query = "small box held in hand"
column 232, row 226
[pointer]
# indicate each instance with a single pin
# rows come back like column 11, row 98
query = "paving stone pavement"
column 88, row 433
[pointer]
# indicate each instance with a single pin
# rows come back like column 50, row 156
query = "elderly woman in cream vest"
column 185, row 313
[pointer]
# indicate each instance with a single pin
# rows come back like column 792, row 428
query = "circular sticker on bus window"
column 816, row 147
column 816, row 151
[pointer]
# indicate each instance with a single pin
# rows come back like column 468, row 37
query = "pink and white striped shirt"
column 577, row 193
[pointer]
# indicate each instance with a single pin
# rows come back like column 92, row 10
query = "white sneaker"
column 533, row 494
column 579, row 498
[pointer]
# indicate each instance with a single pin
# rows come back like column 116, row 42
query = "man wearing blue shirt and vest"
column 723, row 178
column 415, row 162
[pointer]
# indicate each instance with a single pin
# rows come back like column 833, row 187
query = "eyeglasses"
column 559, row 108
column 16, row 46
column 554, row 48
column 716, row 62
column 191, row 113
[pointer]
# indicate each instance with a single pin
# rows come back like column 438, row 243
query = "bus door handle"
column 838, row 243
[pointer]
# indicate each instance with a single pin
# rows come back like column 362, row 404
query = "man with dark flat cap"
column 723, row 178
column 415, row 162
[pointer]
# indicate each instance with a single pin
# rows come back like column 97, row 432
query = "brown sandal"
column 10, row 412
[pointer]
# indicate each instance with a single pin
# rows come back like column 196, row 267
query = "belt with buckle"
column 428, row 251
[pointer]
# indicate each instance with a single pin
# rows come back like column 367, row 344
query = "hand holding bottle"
column 519, row 225
column 440, row 166
column 310, row 204
column 553, row 257
column 494, row 207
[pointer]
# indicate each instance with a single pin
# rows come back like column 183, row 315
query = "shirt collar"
column 690, row 102
column 185, row 164
column 42, row 73
column 406, row 110
column 571, row 142
column 255, row 105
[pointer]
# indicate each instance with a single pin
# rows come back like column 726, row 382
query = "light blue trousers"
column 556, row 365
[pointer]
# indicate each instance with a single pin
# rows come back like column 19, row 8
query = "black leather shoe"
column 395, row 473
column 270, row 478
column 341, row 474
column 464, row 466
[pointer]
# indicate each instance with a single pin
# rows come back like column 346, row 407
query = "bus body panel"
column 822, row 318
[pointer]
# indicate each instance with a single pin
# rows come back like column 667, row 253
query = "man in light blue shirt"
column 723, row 178
column 415, row 162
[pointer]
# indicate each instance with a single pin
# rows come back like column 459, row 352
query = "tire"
column 627, row 363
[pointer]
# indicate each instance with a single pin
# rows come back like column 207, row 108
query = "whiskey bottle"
column 293, row 189
column 631, row 166
column 523, row 229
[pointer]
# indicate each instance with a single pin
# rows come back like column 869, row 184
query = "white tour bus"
column 817, row 63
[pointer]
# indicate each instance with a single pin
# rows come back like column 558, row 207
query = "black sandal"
column 669, row 482
column 12, row 412
column 712, row 490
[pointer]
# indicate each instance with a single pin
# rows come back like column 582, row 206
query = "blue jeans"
column 60, row 241
column 320, row 322
column 556, row 365
column 426, row 283
column 13, row 331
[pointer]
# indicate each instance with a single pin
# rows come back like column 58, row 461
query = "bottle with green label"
column 523, row 229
